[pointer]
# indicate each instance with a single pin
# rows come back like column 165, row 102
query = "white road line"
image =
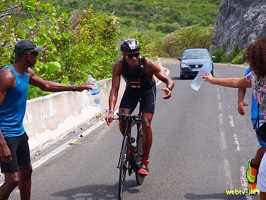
column 244, row 183
column 228, row 175
column 231, row 121
column 219, row 106
column 220, row 119
column 50, row 155
column 65, row 145
column 223, row 140
column 236, row 142
column 219, row 97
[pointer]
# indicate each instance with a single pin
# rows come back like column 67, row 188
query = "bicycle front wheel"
column 123, row 166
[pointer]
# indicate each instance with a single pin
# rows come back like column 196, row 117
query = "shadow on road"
column 216, row 196
column 95, row 192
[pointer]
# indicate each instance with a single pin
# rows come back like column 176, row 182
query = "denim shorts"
column 261, row 142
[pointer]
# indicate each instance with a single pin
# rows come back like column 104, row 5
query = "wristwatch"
column 169, row 88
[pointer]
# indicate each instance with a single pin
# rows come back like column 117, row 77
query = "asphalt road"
column 200, row 149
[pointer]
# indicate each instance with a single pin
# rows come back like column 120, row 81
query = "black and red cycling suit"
column 139, row 85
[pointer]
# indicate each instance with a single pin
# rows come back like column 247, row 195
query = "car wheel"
column 182, row 77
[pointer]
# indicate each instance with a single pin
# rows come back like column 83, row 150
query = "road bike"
column 130, row 157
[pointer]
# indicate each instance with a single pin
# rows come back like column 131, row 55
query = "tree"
column 74, row 44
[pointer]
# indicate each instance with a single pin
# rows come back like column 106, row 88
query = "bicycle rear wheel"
column 123, row 167
column 139, row 178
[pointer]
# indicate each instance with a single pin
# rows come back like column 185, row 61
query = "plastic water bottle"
column 204, row 70
column 95, row 92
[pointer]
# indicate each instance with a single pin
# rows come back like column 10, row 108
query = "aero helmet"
column 130, row 45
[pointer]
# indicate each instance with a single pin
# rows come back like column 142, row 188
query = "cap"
column 25, row 46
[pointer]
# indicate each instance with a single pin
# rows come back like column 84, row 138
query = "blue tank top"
column 13, row 108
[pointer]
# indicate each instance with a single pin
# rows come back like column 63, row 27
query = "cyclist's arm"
column 155, row 69
column 116, row 77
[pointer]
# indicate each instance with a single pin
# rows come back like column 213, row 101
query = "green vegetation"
column 74, row 45
column 154, row 18
column 236, row 56
column 83, row 37
column 175, row 43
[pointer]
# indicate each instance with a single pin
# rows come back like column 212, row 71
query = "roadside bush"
column 220, row 55
column 240, row 58
column 75, row 44
column 175, row 43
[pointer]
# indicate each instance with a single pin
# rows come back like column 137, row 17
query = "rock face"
column 240, row 22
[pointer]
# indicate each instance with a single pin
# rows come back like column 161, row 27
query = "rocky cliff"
column 240, row 22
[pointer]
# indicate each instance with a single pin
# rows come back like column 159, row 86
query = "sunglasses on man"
column 132, row 55
column 34, row 53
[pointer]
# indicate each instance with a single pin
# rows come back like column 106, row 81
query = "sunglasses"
column 132, row 55
column 34, row 53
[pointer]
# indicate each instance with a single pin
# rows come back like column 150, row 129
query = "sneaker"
column 252, row 189
column 251, row 173
column 144, row 170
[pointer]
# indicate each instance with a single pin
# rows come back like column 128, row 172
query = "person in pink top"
column 256, row 57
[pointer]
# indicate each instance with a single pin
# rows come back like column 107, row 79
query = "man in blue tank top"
column 14, row 149
column 138, row 72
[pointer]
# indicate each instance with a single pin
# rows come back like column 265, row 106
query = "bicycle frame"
column 128, row 159
column 131, row 120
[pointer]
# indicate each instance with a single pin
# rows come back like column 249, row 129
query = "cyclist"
column 253, row 164
column 138, row 73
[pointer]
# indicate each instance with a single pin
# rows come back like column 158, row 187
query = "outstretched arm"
column 228, row 82
column 155, row 69
column 54, row 86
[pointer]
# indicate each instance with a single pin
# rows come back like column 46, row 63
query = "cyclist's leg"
column 122, row 124
column 128, row 104
column 148, row 107
column 147, row 134
column 146, row 141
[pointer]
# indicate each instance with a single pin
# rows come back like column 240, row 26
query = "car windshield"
column 196, row 54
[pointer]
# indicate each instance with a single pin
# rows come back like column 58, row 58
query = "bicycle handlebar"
column 129, row 117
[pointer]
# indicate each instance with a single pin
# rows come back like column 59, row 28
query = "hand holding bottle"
column 95, row 91
column 208, row 78
column 203, row 71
